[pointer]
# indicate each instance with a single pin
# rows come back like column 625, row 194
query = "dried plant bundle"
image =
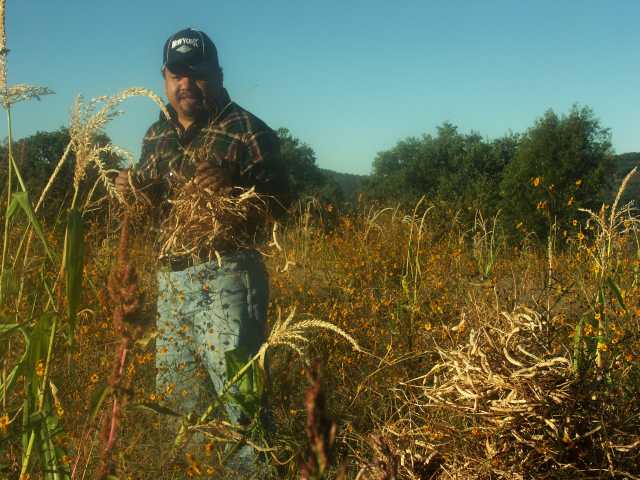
column 202, row 223
column 518, row 407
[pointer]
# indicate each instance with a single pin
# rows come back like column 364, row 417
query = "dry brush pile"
column 505, row 404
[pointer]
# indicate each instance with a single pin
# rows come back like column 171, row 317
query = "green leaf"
column 248, row 389
column 35, row 419
column 8, row 327
column 19, row 365
column 74, row 263
column 21, row 199
column 616, row 290
column 51, row 454
column 10, row 284
column 97, row 399
column 405, row 285
column 10, row 379
column 39, row 338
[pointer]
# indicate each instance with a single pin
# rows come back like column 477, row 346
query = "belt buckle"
column 180, row 263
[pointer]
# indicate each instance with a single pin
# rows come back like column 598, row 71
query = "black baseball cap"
column 189, row 51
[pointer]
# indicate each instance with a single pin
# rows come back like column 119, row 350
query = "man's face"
column 190, row 94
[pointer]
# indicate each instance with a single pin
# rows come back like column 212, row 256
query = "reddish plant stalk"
column 125, row 301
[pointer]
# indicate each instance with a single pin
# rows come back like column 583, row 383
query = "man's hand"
column 209, row 177
column 122, row 182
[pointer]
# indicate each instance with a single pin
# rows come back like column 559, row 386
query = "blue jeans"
column 204, row 311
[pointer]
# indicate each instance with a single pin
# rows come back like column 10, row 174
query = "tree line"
column 534, row 179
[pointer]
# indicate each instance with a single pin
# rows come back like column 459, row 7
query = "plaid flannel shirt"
column 229, row 137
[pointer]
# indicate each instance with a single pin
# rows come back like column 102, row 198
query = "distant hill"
column 349, row 183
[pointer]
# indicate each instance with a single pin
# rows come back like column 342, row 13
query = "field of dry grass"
column 403, row 344
column 477, row 359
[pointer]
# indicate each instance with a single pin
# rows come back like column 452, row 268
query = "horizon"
column 348, row 80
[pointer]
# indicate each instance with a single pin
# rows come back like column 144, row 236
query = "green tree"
column 562, row 163
column 37, row 156
column 463, row 171
column 305, row 177
column 414, row 166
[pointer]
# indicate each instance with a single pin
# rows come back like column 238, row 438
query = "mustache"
column 180, row 94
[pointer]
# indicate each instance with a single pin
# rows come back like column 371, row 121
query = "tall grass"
column 446, row 352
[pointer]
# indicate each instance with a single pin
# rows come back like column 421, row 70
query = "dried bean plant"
column 506, row 405
column 204, row 222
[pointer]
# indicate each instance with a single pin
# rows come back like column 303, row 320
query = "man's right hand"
column 122, row 182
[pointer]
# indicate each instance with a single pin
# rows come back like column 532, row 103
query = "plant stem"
column 5, row 242
column 43, row 386
column 181, row 438
column 27, row 455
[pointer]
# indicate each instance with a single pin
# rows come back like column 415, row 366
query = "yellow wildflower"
column 40, row 368
column 536, row 181
column 4, row 423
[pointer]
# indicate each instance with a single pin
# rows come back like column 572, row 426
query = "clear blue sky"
column 350, row 78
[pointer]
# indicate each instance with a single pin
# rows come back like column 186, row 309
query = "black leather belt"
column 177, row 264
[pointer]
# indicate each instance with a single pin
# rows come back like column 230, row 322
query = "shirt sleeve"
column 265, row 168
column 148, row 178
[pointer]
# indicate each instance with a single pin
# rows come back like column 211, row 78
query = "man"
column 206, row 308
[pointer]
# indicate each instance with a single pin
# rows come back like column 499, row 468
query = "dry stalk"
column 202, row 223
column 126, row 303
column 294, row 335
column 87, row 121
column 320, row 429
column 504, row 405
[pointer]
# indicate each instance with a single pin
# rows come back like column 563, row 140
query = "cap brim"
column 203, row 68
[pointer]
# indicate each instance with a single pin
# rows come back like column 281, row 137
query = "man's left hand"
column 209, row 177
